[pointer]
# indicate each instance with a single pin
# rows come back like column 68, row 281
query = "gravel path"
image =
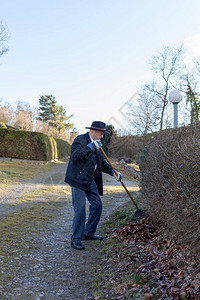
column 48, row 268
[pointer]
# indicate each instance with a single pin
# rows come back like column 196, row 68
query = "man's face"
column 96, row 134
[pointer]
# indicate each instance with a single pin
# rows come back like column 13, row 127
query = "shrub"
column 63, row 148
column 105, row 140
column 129, row 148
column 30, row 145
column 170, row 182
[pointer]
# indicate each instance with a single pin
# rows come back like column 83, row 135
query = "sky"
column 91, row 55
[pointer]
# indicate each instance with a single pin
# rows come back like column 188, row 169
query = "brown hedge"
column 129, row 148
column 170, row 183
column 31, row 145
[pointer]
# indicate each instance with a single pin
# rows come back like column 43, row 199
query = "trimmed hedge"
column 31, row 145
column 170, row 183
column 63, row 148
column 130, row 147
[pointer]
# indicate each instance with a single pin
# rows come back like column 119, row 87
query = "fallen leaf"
column 148, row 296
column 195, row 283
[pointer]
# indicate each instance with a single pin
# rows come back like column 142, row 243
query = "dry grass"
column 134, row 166
column 113, row 189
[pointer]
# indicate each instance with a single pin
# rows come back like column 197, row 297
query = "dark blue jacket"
column 80, row 170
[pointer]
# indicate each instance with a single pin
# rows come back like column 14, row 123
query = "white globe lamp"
column 175, row 97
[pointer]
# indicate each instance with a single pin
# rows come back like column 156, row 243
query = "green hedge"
column 63, row 148
column 31, row 145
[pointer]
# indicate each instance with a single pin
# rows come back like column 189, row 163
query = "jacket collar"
column 88, row 137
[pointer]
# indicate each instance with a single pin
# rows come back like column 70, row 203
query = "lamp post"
column 175, row 97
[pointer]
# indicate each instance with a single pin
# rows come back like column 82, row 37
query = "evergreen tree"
column 107, row 137
column 60, row 119
column 193, row 99
column 54, row 115
column 48, row 108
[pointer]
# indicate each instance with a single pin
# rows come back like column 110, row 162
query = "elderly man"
column 84, row 175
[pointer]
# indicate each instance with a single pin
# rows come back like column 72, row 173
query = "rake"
column 139, row 213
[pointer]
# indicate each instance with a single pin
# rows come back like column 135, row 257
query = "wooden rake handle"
column 106, row 157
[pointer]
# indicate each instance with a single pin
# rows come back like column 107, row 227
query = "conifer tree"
column 60, row 119
column 48, row 108
column 54, row 115
column 107, row 137
column 192, row 98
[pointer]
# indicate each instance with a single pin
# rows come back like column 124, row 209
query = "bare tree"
column 24, row 116
column 6, row 113
column 168, row 65
column 4, row 36
column 151, row 112
column 144, row 117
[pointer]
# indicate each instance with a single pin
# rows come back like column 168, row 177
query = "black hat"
column 98, row 125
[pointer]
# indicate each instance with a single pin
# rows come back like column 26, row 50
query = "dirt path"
column 36, row 259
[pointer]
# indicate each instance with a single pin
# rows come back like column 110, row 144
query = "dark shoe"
column 92, row 237
column 77, row 245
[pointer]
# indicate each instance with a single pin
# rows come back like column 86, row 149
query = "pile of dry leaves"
column 174, row 274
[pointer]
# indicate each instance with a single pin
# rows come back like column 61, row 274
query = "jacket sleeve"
column 79, row 151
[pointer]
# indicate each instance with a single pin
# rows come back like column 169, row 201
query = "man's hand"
column 95, row 145
column 118, row 176
column 98, row 144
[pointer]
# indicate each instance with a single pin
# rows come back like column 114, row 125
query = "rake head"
column 139, row 214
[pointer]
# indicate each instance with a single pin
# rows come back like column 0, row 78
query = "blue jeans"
column 79, row 227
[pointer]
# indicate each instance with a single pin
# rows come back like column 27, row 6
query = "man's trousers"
column 80, row 227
